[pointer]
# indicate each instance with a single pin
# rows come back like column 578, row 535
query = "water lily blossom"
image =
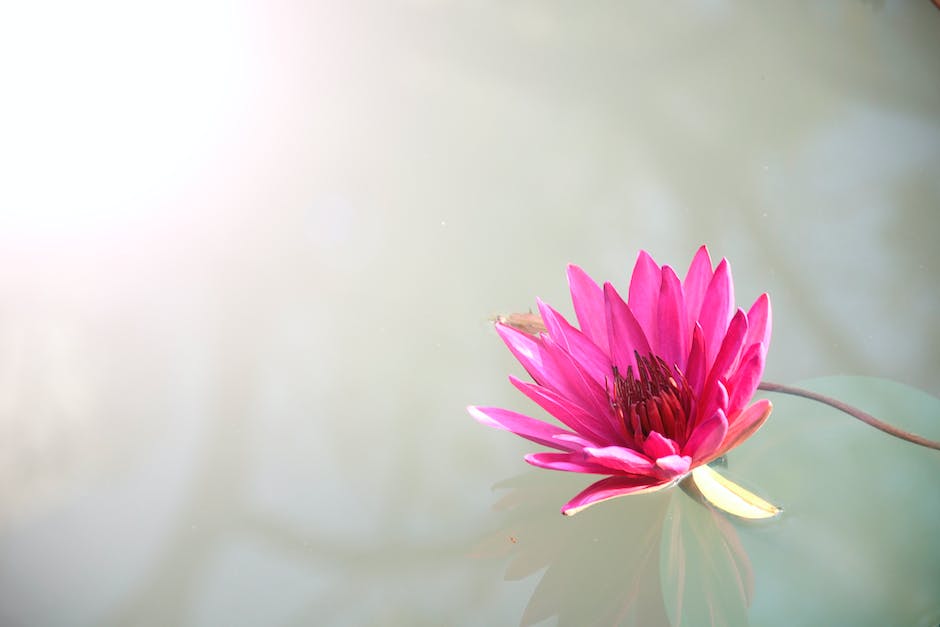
column 647, row 389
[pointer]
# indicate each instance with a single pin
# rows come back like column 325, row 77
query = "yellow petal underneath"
column 731, row 497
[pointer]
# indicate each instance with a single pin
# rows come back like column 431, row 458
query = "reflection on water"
column 656, row 559
column 245, row 278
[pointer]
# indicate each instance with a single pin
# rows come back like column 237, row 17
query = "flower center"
column 654, row 398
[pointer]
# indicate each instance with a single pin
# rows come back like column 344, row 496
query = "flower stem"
column 852, row 411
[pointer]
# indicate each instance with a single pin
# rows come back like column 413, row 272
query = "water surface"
column 248, row 258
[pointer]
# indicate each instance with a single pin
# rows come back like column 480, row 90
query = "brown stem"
column 852, row 411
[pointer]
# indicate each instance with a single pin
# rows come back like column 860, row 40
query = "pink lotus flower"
column 649, row 389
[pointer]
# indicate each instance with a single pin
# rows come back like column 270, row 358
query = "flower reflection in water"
column 657, row 559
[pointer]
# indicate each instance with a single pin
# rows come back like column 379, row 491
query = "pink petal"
column 759, row 322
column 695, row 370
column 570, row 380
column 707, row 437
column 578, row 441
column 610, row 488
column 588, row 301
column 673, row 321
column 674, row 465
column 695, row 284
column 643, row 297
column 716, row 398
column 567, row 462
column 743, row 382
column 744, row 426
column 717, row 307
column 730, row 350
column 526, row 349
column 626, row 336
column 594, row 361
column 618, row 458
column 569, row 413
column 550, row 366
column 523, row 426
column 657, row 446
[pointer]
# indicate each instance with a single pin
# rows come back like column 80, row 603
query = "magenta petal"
column 594, row 361
column 626, row 336
column 716, row 399
column 695, row 370
column 566, row 462
column 745, row 425
column 673, row 323
column 674, row 465
column 707, row 437
column 578, row 442
column 549, row 365
column 730, row 349
column 696, row 282
column 743, row 382
column 643, row 296
column 609, row 488
column 569, row 378
column 620, row 459
column 526, row 349
column 570, row 414
column 717, row 307
column 588, row 301
column 529, row 428
column 657, row 446
column 759, row 322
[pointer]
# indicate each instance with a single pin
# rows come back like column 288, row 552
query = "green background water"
column 248, row 255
